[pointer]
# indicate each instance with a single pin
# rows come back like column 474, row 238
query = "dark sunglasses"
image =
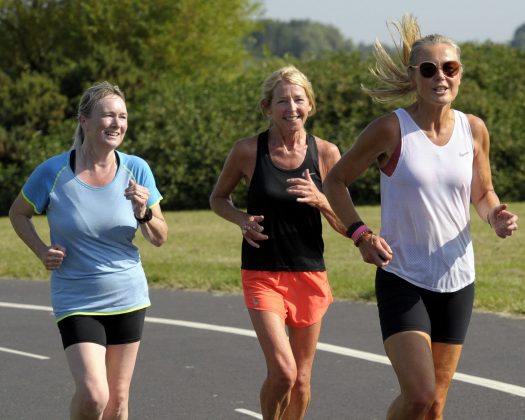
column 428, row 69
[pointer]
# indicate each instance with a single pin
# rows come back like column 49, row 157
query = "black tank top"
column 295, row 230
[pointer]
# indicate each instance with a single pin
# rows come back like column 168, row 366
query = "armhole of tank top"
column 262, row 145
column 313, row 143
column 391, row 165
column 314, row 152
column 463, row 116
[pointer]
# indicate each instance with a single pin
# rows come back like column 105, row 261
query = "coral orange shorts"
column 300, row 298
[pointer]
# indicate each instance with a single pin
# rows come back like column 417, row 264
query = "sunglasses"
column 428, row 69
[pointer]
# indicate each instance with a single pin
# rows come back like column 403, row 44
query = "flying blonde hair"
column 394, row 76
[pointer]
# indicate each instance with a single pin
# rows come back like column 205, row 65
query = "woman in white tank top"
column 434, row 162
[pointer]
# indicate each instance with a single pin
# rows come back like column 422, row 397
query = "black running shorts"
column 105, row 330
column 405, row 307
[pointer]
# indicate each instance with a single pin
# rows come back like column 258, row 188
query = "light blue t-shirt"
column 102, row 272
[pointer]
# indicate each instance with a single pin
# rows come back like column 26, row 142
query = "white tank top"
column 425, row 208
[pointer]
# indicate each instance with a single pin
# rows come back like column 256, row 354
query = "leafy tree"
column 493, row 88
column 518, row 41
column 193, row 91
column 297, row 38
column 51, row 50
column 185, row 131
column 133, row 40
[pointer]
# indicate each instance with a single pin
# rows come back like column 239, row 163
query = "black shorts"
column 405, row 307
column 105, row 330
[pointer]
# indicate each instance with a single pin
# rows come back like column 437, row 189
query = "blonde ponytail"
column 393, row 76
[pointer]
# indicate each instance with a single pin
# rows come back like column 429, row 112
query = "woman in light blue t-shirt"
column 95, row 198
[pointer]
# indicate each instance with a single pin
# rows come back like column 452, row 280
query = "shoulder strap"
column 312, row 147
column 262, row 143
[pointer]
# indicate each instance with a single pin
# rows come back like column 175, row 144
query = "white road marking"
column 25, row 306
column 31, row 307
column 357, row 354
column 489, row 383
column 248, row 413
column 202, row 326
column 23, row 353
column 344, row 351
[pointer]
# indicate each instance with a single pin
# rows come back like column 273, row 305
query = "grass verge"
column 203, row 253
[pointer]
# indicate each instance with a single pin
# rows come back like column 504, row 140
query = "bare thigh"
column 271, row 332
column 87, row 364
column 411, row 356
column 120, row 364
column 304, row 343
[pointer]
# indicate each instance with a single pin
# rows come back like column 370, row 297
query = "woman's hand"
column 375, row 250
column 307, row 191
column 252, row 230
column 502, row 221
column 139, row 196
column 53, row 257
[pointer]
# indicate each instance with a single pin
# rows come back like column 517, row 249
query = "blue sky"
column 364, row 20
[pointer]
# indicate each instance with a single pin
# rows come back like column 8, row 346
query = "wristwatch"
column 147, row 216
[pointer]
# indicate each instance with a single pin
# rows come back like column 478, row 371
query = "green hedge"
column 184, row 128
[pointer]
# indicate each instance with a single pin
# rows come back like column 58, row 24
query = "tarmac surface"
column 200, row 360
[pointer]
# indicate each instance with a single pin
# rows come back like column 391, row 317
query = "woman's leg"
column 411, row 356
column 424, row 372
column 446, row 359
column 120, row 363
column 303, row 342
column 280, row 363
column 88, row 368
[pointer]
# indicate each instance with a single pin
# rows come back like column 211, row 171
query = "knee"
column 283, row 379
column 302, row 384
column 438, row 406
column 420, row 401
column 117, row 404
column 91, row 402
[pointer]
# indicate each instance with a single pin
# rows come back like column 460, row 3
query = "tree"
column 192, row 90
column 519, row 38
column 138, row 40
column 297, row 38
column 51, row 50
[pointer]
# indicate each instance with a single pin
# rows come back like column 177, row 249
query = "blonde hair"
column 90, row 98
column 289, row 74
column 395, row 77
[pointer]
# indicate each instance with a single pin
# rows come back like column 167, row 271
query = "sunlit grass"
column 203, row 252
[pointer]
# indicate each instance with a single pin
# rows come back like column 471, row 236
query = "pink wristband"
column 359, row 232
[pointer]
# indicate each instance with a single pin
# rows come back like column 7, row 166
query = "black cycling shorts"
column 405, row 307
column 105, row 330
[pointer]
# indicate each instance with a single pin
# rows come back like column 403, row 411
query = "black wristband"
column 147, row 216
column 353, row 227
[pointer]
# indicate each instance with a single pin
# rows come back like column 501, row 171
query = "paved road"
column 190, row 367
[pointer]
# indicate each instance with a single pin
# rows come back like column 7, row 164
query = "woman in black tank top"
column 283, row 271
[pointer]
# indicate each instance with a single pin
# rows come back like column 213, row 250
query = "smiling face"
column 439, row 89
column 289, row 107
column 107, row 124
